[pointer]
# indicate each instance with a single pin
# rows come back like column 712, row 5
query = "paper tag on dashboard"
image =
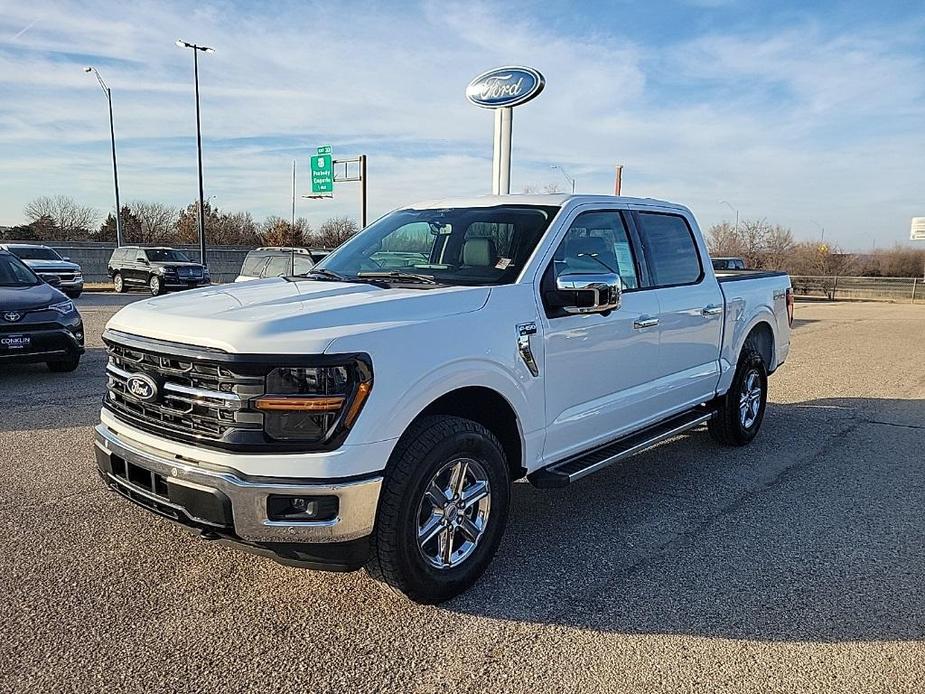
column 503, row 264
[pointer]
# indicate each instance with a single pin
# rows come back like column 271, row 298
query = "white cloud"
column 793, row 124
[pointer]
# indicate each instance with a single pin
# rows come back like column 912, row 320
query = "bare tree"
column 157, row 221
column 280, row 232
column 723, row 240
column 778, row 246
column 334, row 232
column 73, row 221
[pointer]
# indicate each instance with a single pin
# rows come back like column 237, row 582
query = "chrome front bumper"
column 357, row 500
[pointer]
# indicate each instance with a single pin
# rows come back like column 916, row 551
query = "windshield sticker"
column 503, row 264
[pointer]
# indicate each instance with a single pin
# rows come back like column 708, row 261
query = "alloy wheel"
column 750, row 399
column 454, row 512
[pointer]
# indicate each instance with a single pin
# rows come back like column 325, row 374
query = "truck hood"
column 52, row 265
column 277, row 316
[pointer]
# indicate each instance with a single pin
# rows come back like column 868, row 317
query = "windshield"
column 36, row 253
column 469, row 245
column 161, row 255
column 14, row 273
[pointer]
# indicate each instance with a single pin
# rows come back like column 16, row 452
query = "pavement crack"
column 893, row 424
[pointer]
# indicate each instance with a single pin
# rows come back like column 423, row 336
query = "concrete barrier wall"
column 224, row 262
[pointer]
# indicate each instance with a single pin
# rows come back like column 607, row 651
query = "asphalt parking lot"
column 796, row 564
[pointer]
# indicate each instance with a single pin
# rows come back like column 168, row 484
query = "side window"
column 597, row 242
column 253, row 264
column 672, row 254
column 277, row 267
column 301, row 264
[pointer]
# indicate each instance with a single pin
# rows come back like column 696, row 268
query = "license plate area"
column 15, row 342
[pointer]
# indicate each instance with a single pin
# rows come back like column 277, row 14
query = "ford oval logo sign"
column 505, row 86
column 141, row 387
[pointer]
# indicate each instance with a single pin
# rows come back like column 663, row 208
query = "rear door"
column 690, row 309
column 599, row 368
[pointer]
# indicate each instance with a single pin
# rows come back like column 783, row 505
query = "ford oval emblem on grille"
column 12, row 316
column 505, row 86
column 141, row 387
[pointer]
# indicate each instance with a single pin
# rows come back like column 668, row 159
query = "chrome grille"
column 190, row 273
column 194, row 398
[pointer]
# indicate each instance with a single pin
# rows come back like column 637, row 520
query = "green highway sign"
column 322, row 168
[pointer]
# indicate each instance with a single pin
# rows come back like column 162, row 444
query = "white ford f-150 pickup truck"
column 375, row 411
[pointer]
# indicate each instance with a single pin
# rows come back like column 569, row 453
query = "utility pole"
column 363, row 190
column 292, row 222
column 202, row 213
column 618, row 180
column 115, row 169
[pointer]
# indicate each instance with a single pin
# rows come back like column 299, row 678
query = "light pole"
column 564, row 173
column 202, row 215
column 723, row 202
column 821, row 228
column 115, row 171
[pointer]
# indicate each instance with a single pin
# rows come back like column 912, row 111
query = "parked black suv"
column 37, row 322
column 159, row 269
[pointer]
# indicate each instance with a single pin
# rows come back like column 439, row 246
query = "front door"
column 598, row 368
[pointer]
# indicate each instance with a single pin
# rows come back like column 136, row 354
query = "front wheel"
column 155, row 285
column 118, row 284
column 741, row 410
column 442, row 510
column 73, row 295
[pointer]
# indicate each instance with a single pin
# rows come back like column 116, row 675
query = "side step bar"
column 565, row 472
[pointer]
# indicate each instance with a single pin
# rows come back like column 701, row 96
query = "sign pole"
column 500, row 90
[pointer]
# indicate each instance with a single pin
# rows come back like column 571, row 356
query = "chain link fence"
column 898, row 289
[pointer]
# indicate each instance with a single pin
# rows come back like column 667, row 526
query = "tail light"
column 790, row 306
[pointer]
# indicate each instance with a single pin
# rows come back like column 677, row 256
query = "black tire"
column 118, row 284
column 64, row 365
column 429, row 446
column 73, row 295
column 730, row 427
column 155, row 285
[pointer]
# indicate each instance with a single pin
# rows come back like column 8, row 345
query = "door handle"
column 711, row 310
column 645, row 322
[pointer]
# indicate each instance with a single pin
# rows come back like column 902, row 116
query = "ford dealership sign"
column 505, row 86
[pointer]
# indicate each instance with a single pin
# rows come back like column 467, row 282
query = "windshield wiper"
column 323, row 272
column 399, row 276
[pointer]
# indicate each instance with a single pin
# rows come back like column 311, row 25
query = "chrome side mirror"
column 598, row 293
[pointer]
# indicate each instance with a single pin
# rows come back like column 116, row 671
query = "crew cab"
column 159, row 269
column 47, row 263
column 376, row 410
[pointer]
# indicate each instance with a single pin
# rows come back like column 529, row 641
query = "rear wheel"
column 741, row 410
column 73, row 295
column 155, row 285
column 117, row 283
column 442, row 510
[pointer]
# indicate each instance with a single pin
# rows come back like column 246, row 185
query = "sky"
column 809, row 115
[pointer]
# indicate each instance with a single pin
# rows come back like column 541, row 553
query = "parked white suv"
column 376, row 411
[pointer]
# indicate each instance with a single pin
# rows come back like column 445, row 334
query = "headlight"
column 63, row 307
column 314, row 403
column 168, row 271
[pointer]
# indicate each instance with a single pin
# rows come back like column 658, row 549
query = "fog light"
column 301, row 508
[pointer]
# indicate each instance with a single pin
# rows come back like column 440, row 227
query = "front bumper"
column 180, row 283
column 232, row 506
column 46, row 345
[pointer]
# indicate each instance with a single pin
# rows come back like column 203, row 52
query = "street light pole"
column 115, row 169
column 568, row 178
column 821, row 228
column 202, row 214
column 723, row 202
